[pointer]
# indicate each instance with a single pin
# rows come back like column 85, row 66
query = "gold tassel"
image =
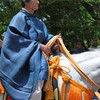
column 48, row 88
column 63, row 91
column 49, row 94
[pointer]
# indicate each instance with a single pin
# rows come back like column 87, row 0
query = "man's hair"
column 23, row 2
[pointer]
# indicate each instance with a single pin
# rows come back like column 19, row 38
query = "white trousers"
column 37, row 94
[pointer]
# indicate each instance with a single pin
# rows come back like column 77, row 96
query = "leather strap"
column 64, row 50
column 74, row 64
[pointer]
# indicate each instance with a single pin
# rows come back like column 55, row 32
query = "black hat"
column 25, row 0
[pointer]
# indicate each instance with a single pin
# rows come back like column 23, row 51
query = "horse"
column 89, row 62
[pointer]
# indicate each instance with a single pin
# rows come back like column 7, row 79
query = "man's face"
column 35, row 4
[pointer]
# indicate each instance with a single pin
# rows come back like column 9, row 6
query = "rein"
column 64, row 50
column 74, row 64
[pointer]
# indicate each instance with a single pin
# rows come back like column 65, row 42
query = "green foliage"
column 76, row 20
column 7, row 9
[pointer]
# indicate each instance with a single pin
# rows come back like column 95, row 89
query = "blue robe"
column 22, row 63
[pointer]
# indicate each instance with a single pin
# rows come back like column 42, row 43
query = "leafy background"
column 74, row 19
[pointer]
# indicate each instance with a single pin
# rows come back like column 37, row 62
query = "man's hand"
column 58, row 36
column 45, row 49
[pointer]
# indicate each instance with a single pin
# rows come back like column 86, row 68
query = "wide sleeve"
column 19, row 69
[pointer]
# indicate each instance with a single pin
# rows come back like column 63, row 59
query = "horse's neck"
column 81, row 57
column 92, row 69
column 89, row 63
